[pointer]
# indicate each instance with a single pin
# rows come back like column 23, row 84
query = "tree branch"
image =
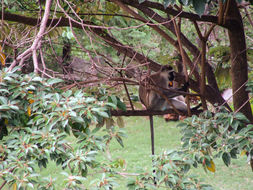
column 191, row 16
column 37, row 40
column 148, row 112
column 190, row 46
column 89, row 25
column 211, row 95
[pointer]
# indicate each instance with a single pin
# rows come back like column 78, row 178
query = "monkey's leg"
column 179, row 105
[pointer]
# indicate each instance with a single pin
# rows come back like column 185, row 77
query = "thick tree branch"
column 191, row 16
column 239, row 64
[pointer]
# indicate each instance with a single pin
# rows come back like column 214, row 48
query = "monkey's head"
column 168, row 73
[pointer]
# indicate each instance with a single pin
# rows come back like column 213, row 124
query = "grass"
column 137, row 152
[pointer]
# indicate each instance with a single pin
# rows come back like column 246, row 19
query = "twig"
column 3, row 184
column 125, row 86
column 36, row 41
column 203, row 40
column 182, row 52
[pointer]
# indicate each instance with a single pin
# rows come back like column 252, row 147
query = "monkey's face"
column 168, row 73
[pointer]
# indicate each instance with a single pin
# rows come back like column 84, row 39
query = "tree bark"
column 239, row 64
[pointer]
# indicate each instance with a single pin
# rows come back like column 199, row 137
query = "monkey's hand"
column 185, row 87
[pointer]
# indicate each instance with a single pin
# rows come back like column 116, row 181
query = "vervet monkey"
column 160, row 82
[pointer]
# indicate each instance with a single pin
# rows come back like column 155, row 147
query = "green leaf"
column 121, row 105
column 226, row 158
column 78, row 119
column 120, row 141
column 37, row 79
column 112, row 99
column 14, row 107
column 67, row 93
column 90, row 99
column 114, row 106
column 199, row 6
column 54, row 81
column 4, row 108
column 241, row 117
column 141, row 1
column 3, row 100
column 4, row 90
column 234, row 153
column 185, row 2
column 103, row 114
column 167, row 3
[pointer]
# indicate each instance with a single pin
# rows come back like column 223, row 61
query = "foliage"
column 220, row 56
column 198, row 5
column 204, row 139
column 221, row 135
column 170, row 170
column 36, row 117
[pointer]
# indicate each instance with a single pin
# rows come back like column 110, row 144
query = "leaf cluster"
column 37, row 117
column 170, row 170
column 221, row 135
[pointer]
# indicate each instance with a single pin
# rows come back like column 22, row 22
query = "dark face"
column 170, row 71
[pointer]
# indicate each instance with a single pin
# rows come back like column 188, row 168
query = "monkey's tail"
column 152, row 141
column 152, row 135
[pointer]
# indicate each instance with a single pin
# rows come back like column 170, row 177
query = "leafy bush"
column 211, row 136
column 36, row 117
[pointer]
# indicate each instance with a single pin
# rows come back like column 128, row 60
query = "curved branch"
column 191, row 16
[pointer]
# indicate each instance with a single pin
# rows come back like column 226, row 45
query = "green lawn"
column 167, row 136
column 137, row 154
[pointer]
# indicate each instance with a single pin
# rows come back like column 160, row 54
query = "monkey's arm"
column 170, row 94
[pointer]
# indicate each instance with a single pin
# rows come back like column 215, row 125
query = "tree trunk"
column 239, row 65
